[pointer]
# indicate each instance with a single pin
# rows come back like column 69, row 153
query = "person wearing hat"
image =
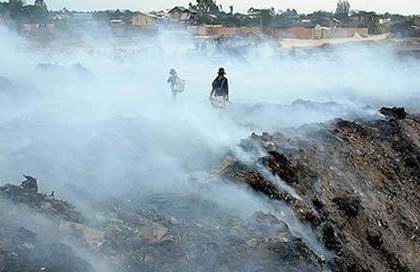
column 220, row 90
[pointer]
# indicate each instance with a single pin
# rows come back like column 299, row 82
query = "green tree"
column 34, row 14
column 287, row 18
column 342, row 11
column 4, row 9
column 205, row 7
column 41, row 4
column 343, row 7
column 265, row 16
column 322, row 18
column 16, row 3
column 15, row 8
column 207, row 12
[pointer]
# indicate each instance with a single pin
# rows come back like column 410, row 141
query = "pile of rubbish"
column 213, row 240
column 356, row 183
column 132, row 236
column 27, row 194
column 26, row 243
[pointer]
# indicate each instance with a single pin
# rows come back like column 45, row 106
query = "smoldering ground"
column 108, row 128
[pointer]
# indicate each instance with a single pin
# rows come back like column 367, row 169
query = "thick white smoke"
column 113, row 128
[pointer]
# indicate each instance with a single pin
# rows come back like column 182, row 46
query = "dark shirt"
column 172, row 79
column 221, row 86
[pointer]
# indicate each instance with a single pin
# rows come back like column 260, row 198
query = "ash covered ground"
column 303, row 172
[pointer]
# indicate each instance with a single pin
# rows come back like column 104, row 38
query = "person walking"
column 219, row 94
column 176, row 83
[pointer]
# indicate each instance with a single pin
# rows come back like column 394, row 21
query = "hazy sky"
column 397, row 6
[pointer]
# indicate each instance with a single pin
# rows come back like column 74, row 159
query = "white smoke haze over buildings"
column 393, row 6
column 134, row 91
column 70, row 116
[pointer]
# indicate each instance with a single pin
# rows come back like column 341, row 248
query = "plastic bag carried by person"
column 218, row 102
column 179, row 85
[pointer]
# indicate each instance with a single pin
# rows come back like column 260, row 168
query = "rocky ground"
column 133, row 236
column 356, row 184
column 26, row 243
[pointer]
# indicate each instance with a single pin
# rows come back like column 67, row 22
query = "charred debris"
column 355, row 183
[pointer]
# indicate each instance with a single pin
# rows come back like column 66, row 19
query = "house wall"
column 332, row 33
column 364, row 20
column 282, row 33
column 180, row 16
column 32, row 28
column 316, row 33
column 218, row 30
column 290, row 33
column 417, row 21
column 227, row 31
column 142, row 20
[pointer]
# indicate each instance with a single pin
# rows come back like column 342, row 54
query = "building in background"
column 339, row 32
column 296, row 32
column 181, row 15
column 416, row 21
column 82, row 19
column 363, row 19
column 416, row 27
column 144, row 20
column 220, row 30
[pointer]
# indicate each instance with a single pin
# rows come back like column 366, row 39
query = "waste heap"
column 356, row 183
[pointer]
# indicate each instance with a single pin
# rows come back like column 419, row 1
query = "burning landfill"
column 309, row 162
